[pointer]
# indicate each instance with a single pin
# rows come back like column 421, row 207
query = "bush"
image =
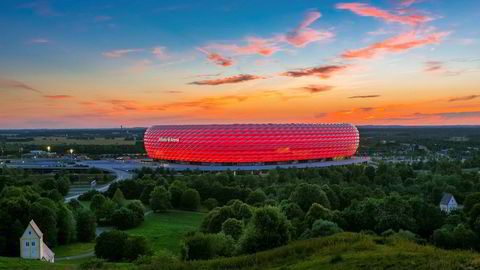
column 267, row 229
column 123, row 218
column 190, row 199
column 233, row 227
column 324, row 228
column 136, row 246
column 93, row 263
column 200, row 246
column 86, row 225
column 87, row 196
column 210, row 203
column 316, row 212
column 111, row 245
column 160, row 199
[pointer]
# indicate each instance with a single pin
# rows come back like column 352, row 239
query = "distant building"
column 32, row 246
column 448, row 203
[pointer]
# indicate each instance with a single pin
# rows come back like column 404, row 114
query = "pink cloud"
column 226, row 80
column 399, row 43
column 58, row 97
column 369, row 11
column 217, row 58
column 39, row 41
column 160, row 52
column 120, row 53
column 303, row 35
column 406, row 3
column 17, row 85
column 323, row 72
column 255, row 45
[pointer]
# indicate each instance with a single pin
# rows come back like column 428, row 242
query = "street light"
column 71, row 153
column 48, row 148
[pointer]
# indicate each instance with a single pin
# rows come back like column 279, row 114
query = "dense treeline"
column 249, row 213
column 42, row 201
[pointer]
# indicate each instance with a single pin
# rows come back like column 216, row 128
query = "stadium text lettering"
column 166, row 139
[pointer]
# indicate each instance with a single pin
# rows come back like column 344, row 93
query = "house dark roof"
column 446, row 198
column 35, row 228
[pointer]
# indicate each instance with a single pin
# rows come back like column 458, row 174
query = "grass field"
column 64, row 141
column 73, row 249
column 166, row 230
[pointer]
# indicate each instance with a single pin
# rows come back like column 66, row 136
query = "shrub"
column 123, row 218
column 93, row 263
column 136, row 246
column 87, row 196
column 267, row 229
column 111, row 245
column 233, row 227
column 160, row 199
column 316, row 212
column 324, row 228
column 210, row 203
column 200, row 246
column 190, row 199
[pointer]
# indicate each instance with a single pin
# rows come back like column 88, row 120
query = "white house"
column 448, row 203
column 32, row 246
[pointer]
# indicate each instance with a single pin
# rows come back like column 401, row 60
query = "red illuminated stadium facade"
column 251, row 144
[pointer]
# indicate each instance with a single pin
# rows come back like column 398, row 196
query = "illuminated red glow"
column 240, row 143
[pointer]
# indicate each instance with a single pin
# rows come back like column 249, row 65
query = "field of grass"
column 342, row 251
column 73, row 249
column 64, row 141
column 166, row 230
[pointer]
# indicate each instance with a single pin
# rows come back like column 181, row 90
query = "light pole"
column 71, row 153
column 48, row 148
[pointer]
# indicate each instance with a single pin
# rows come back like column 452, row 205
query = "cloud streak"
column 316, row 88
column 255, row 45
column 120, row 53
column 57, row 96
column 464, row 98
column 229, row 80
column 303, row 35
column 216, row 58
column 323, row 72
column 369, row 11
column 366, row 96
column 12, row 84
column 399, row 43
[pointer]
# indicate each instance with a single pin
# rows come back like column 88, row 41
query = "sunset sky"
column 92, row 63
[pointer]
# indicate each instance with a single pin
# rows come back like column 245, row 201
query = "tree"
column 67, row 229
column 471, row 200
column 316, row 212
column 324, row 228
column 256, row 197
column 123, row 218
column 370, row 172
column 63, row 185
column 267, row 229
column 118, row 197
column 111, row 245
column 307, row 194
column 200, row 246
column 145, row 196
column 136, row 246
column 98, row 200
column 106, row 211
column 233, row 227
column 138, row 210
column 210, row 203
column 86, row 225
column 176, row 190
column 46, row 219
column 212, row 223
column 160, row 199
column 190, row 199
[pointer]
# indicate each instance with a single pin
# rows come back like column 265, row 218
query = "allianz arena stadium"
column 251, row 144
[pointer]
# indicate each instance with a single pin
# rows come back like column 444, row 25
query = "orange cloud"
column 17, row 85
column 58, row 97
column 367, row 96
column 464, row 98
column 265, row 47
column 369, row 11
column 232, row 79
column 217, row 58
column 399, row 43
column 120, row 53
column 317, row 88
column 323, row 72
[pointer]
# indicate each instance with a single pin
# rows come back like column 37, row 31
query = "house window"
column 29, row 232
column 33, row 243
column 26, row 244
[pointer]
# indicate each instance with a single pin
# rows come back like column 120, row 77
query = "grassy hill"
column 341, row 251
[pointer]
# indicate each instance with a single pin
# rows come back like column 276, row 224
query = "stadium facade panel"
column 251, row 143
